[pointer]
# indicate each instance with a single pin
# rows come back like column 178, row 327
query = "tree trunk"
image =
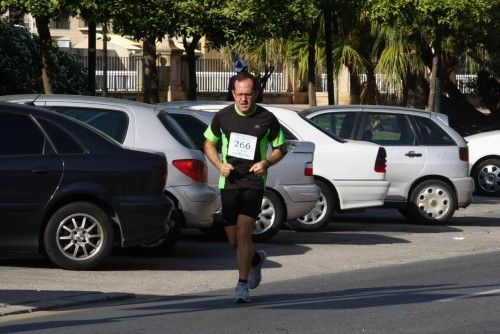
column 42, row 25
column 311, row 63
column 328, row 18
column 105, row 59
column 354, row 86
column 369, row 93
column 432, row 82
column 150, row 76
column 92, row 56
column 190, row 48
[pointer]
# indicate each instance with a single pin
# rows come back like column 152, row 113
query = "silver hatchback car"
column 142, row 126
column 427, row 161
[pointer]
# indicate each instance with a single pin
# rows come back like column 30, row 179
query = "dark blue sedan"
column 71, row 192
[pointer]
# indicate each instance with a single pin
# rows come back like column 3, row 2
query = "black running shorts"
column 240, row 201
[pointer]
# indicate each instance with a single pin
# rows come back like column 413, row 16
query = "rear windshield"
column 176, row 130
column 329, row 134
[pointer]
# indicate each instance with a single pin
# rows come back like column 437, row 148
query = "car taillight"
column 195, row 169
column 163, row 175
column 308, row 169
column 463, row 153
column 380, row 161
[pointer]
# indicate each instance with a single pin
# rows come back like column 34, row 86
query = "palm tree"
column 398, row 60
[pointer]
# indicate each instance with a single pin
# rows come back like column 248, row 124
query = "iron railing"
column 212, row 75
column 124, row 75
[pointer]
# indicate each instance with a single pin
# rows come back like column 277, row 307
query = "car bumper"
column 464, row 187
column 197, row 204
column 143, row 218
column 298, row 199
column 361, row 194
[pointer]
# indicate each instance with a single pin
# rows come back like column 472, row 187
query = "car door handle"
column 412, row 154
column 39, row 171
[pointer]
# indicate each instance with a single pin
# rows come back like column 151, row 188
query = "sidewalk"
column 27, row 301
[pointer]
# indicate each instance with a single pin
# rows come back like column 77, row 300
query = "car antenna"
column 32, row 103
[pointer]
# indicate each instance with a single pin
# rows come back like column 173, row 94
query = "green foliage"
column 41, row 8
column 144, row 19
column 67, row 73
column 18, row 60
column 20, row 64
column 460, row 19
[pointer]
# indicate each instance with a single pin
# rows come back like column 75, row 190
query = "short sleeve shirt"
column 245, row 140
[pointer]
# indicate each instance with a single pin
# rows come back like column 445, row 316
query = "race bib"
column 242, row 146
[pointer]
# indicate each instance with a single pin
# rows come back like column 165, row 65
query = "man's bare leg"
column 240, row 236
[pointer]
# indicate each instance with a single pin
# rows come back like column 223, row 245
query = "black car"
column 70, row 192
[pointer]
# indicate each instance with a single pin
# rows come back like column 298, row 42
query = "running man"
column 246, row 131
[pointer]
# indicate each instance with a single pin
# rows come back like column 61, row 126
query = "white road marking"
column 481, row 293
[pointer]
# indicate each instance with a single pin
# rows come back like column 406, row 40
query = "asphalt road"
column 303, row 265
column 458, row 295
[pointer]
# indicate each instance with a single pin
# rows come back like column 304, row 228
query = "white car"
column 484, row 159
column 427, row 161
column 350, row 174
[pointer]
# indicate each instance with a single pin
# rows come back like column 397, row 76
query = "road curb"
column 55, row 303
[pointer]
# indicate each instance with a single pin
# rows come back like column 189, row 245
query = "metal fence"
column 212, row 75
column 465, row 83
column 123, row 73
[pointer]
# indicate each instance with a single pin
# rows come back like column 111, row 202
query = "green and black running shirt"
column 245, row 140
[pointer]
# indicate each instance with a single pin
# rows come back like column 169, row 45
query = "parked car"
column 484, row 158
column 290, row 190
column 427, row 161
column 140, row 125
column 350, row 174
column 71, row 192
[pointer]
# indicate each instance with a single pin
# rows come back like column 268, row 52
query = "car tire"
column 78, row 236
column 432, row 202
column 320, row 215
column 163, row 246
column 270, row 218
column 487, row 177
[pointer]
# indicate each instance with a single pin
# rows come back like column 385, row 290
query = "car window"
column 114, row 123
column 19, row 135
column 432, row 134
column 193, row 127
column 387, row 129
column 176, row 130
column 64, row 142
column 338, row 123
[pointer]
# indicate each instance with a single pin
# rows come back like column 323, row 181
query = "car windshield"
column 176, row 130
column 329, row 134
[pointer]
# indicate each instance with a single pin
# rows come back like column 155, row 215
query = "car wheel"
column 432, row 202
column 319, row 216
column 270, row 218
column 164, row 246
column 78, row 236
column 487, row 177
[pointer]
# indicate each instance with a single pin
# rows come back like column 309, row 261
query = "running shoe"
column 241, row 294
column 255, row 275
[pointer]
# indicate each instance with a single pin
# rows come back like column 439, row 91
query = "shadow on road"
column 347, row 299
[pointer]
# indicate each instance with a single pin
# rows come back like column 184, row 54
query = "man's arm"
column 275, row 156
column 210, row 149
